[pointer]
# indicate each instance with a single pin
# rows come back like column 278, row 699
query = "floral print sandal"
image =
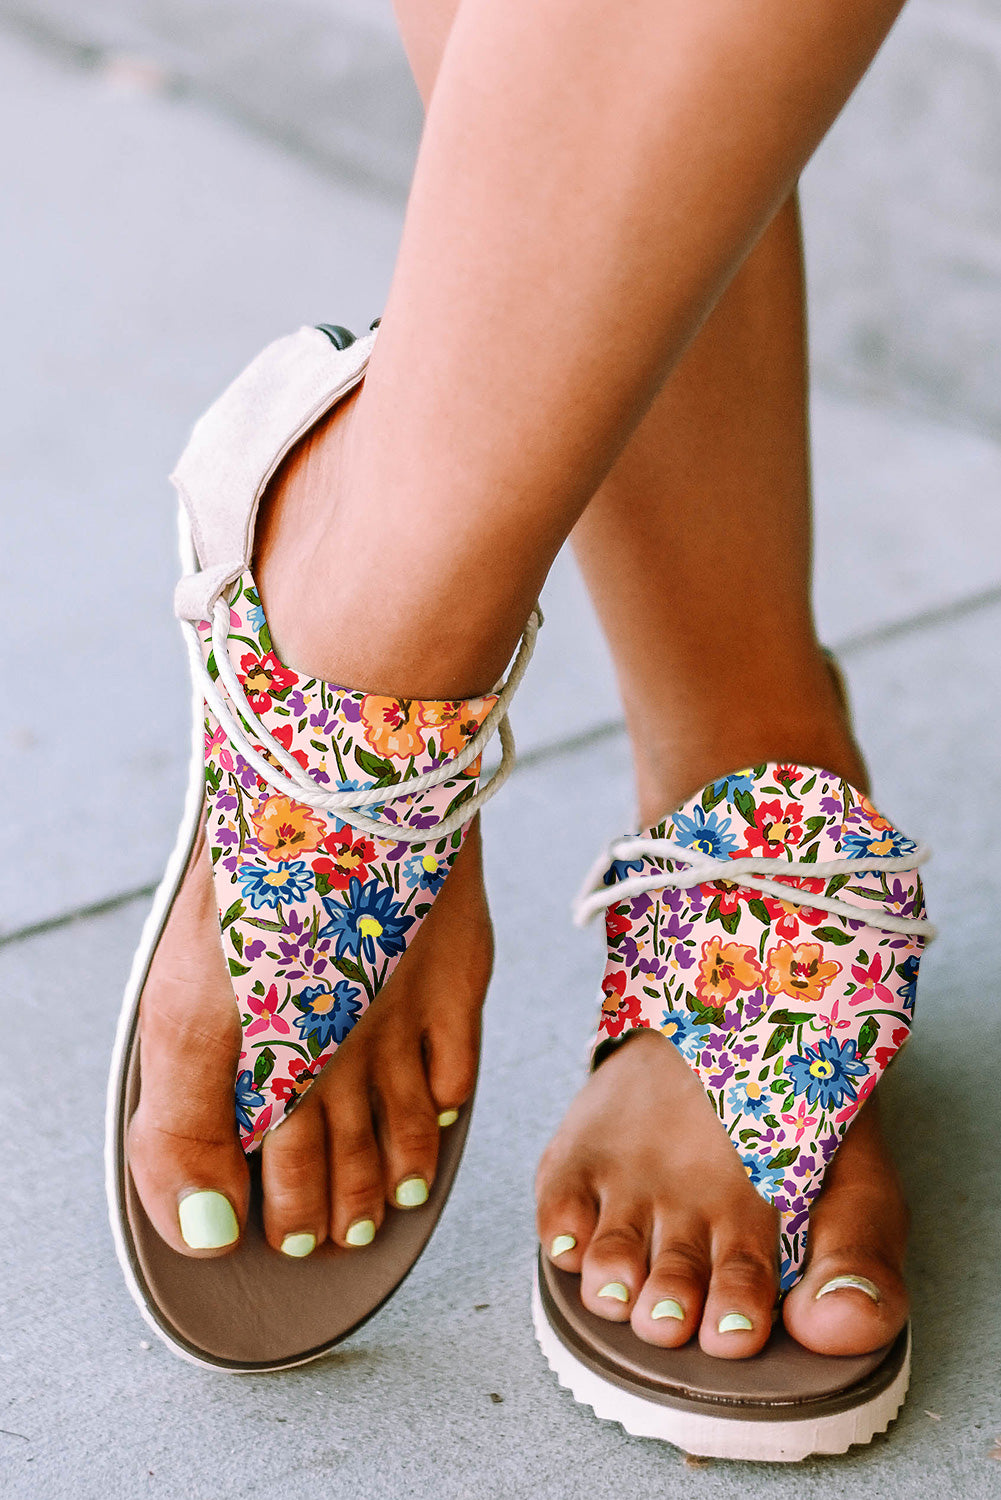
column 332, row 819
column 771, row 929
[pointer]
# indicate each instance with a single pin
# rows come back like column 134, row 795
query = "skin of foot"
column 365, row 1137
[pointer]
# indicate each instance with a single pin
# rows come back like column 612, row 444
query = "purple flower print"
column 830, row 805
column 227, row 802
column 252, row 951
column 296, row 703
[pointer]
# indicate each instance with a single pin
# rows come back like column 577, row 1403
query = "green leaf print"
column 789, row 1017
column 263, row 1067
column 374, row 765
column 835, row 935
column 780, row 1037
column 867, row 1036
column 350, row 969
column 237, row 969
column 236, row 910
column 744, row 803
column 785, row 1158
column 758, row 909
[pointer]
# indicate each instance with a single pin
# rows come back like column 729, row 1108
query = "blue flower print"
column 908, row 972
column 427, row 872
column 619, row 870
column 729, row 786
column 680, row 1029
column 767, row 1180
column 368, row 919
column 273, row 884
column 824, row 1073
column 705, row 832
column 754, row 1104
column 247, row 1098
column 885, row 842
column 329, row 1014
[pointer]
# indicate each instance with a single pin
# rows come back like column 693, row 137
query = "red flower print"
column 283, row 734
column 616, row 922
column 787, row 916
column 300, row 1076
column 883, row 1056
column 786, row 775
column 264, row 677
column 775, row 826
column 350, row 855
column 865, row 1089
column 617, row 1007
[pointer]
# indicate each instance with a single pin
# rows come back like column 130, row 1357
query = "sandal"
column 332, row 819
column 771, row 928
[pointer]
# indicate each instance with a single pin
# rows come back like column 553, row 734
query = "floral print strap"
column 788, row 1013
column 315, row 915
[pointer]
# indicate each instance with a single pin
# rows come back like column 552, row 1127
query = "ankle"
column 677, row 753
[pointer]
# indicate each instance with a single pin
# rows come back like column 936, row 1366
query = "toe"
column 615, row 1262
column 452, row 1048
column 183, row 1149
column 852, row 1299
column 669, row 1307
column 295, row 1179
column 740, row 1303
column 408, row 1126
column 357, row 1191
column 566, row 1216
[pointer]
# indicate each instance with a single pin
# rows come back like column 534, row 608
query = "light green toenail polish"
column 208, row 1221
column 362, row 1232
column 447, row 1117
column 298, row 1245
column 561, row 1244
column 668, row 1309
column 412, row 1192
column 849, row 1283
column 615, row 1291
column 735, row 1323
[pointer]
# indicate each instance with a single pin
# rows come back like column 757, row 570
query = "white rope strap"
column 754, row 872
column 296, row 783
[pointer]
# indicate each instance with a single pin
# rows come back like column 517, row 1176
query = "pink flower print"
column 871, row 989
column 801, row 1121
column 264, row 1009
column 832, row 1022
column 865, row 1089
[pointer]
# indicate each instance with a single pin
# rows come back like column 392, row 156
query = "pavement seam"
column 339, row 167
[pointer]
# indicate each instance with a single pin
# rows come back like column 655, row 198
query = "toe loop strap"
column 693, row 868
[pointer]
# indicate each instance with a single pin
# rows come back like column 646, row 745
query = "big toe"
column 852, row 1298
column 183, row 1149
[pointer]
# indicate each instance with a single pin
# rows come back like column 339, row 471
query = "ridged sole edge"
column 783, row 1440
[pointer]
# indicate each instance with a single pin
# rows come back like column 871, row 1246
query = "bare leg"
column 563, row 244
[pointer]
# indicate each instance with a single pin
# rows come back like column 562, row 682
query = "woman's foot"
column 366, row 1134
column 669, row 1235
column 642, row 1193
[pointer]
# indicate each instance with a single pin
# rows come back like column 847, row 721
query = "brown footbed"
column 256, row 1309
column 785, row 1381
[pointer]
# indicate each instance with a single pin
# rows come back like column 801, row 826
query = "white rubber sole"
column 707, row 1435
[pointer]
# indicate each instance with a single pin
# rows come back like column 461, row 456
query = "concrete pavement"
column 152, row 240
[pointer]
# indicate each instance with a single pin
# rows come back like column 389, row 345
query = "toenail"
column 615, row 1291
column 361, row 1232
column 298, row 1245
column 845, row 1283
column 668, row 1309
column 208, row 1220
column 447, row 1117
column 412, row 1192
column 561, row 1244
column 734, row 1323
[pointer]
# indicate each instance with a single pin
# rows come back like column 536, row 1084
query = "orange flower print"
column 872, row 817
column 800, row 971
column 455, row 721
column 724, row 969
column 284, row 827
column 393, row 726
